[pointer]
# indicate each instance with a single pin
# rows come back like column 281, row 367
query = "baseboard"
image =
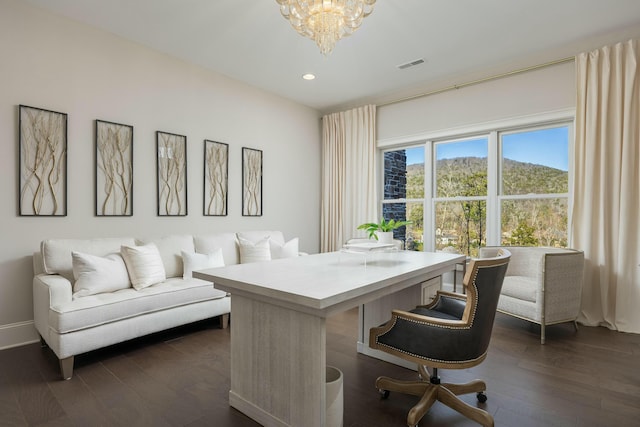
column 17, row 334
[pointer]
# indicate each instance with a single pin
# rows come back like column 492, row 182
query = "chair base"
column 432, row 391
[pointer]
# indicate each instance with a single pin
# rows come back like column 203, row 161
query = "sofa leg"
column 224, row 321
column 66, row 367
column 43, row 343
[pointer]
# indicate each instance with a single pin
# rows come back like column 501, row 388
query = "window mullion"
column 428, row 234
column 493, row 188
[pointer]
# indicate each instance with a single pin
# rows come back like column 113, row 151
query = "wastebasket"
column 334, row 398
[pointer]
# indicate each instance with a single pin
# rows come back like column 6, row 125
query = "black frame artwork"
column 251, row 182
column 216, row 178
column 42, row 183
column 113, row 169
column 171, row 174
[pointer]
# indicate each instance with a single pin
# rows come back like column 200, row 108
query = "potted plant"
column 382, row 231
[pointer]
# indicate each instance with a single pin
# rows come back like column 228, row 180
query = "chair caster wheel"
column 383, row 393
column 481, row 397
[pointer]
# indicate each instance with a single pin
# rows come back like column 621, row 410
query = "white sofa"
column 543, row 285
column 76, row 316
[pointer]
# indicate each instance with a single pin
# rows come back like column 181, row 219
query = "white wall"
column 531, row 93
column 58, row 64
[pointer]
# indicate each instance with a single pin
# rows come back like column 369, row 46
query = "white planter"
column 385, row 236
column 334, row 397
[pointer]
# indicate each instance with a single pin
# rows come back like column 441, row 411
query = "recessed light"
column 308, row 76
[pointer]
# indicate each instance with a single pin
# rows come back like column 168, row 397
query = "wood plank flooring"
column 181, row 378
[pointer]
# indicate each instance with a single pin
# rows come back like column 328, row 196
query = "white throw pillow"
column 288, row 250
column 170, row 247
column 193, row 261
column 254, row 251
column 95, row 274
column 144, row 265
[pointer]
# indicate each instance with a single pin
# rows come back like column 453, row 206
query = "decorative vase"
column 385, row 236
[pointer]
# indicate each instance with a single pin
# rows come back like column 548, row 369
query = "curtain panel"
column 606, row 185
column 348, row 175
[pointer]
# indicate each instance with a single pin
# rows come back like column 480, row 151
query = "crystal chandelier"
column 326, row 21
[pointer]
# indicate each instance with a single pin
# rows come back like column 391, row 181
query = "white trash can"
column 334, row 397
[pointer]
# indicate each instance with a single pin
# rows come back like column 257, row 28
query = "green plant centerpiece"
column 374, row 229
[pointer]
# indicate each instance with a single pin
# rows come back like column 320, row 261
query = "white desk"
column 278, row 332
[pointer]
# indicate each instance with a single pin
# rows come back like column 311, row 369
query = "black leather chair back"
column 487, row 286
column 454, row 330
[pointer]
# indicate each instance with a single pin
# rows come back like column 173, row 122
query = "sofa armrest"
column 59, row 288
column 49, row 290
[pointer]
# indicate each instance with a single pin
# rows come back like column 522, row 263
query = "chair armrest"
column 447, row 303
column 440, row 294
column 426, row 320
column 525, row 261
column 563, row 277
column 455, row 295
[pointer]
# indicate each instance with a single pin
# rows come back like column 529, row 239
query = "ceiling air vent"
column 411, row 64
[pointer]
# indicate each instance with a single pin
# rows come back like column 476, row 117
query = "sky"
column 548, row 147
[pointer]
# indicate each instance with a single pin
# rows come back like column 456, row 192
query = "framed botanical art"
column 42, row 162
column 171, row 151
column 114, row 169
column 216, row 178
column 251, row 182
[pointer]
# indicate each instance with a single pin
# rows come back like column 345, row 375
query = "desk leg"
column 278, row 360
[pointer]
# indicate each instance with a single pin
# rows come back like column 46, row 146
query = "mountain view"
column 461, row 224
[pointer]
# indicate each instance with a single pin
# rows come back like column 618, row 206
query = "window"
column 499, row 187
column 534, row 187
column 461, row 195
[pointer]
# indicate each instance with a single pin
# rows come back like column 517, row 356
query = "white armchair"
column 542, row 285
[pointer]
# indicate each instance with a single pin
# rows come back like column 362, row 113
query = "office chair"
column 452, row 332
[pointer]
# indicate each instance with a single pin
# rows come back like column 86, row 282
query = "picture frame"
column 251, row 182
column 171, row 174
column 113, row 169
column 42, row 163
column 216, row 178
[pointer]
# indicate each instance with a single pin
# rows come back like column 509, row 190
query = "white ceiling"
column 460, row 41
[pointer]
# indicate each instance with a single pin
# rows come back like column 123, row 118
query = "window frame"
column 494, row 198
column 501, row 197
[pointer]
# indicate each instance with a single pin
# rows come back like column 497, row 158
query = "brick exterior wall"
column 395, row 187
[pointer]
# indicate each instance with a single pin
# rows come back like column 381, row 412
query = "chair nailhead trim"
column 395, row 318
column 417, row 356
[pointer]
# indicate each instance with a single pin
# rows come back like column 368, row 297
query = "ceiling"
column 459, row 40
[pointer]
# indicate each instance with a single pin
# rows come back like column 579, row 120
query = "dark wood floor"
column 181, row 378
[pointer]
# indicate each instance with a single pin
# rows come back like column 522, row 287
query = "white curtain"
column 348, row 175
column 606, row 187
